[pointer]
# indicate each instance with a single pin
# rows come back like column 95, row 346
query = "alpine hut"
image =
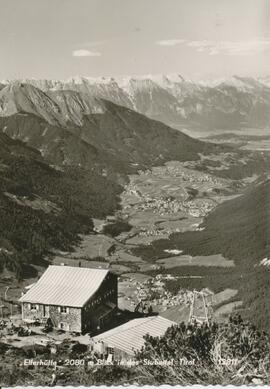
column 74, row 298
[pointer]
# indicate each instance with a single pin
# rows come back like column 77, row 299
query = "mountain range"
column 225, row 103
column 71, row 128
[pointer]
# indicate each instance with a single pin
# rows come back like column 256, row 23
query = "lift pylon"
column 201, row 307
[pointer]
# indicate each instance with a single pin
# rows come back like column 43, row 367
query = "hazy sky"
column 196, row 38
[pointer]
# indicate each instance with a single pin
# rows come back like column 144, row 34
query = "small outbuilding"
column 125, row 340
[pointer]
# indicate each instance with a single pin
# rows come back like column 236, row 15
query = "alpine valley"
column 146, row 176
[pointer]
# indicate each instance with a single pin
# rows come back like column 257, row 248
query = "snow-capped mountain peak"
column 233, row 101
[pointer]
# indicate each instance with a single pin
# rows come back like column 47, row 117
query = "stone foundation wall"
column 32, row 311
column 71, row 320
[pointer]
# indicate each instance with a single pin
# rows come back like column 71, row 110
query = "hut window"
column 63, row 309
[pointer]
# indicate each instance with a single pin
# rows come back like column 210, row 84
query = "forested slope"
column 42, row 207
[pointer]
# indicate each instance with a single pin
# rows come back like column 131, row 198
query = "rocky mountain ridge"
column 225, row 103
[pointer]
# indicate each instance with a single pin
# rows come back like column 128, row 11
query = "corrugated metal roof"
column 65, row 285
column 129, row 336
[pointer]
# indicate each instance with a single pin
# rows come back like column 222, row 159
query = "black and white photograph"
column 134, row 192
